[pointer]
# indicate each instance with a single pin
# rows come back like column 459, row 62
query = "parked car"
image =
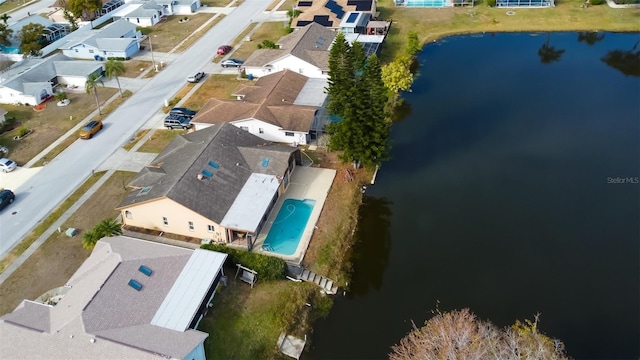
column 90, row 129
column 180, row 111
column 231, row 63
column 196, row 78
column 7, row 165
column 177, row 122
column 6, row 198
column 224, row 49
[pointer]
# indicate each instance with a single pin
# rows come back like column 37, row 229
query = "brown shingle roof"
column 270, row 99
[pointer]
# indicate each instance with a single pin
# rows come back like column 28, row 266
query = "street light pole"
column 152, row 59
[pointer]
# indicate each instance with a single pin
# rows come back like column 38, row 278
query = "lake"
column 512, row 190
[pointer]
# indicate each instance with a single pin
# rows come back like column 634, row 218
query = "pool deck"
column 306, row 183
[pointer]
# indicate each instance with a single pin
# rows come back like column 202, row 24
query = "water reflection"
column 590, row 37
column 548, row 53
column 625, row 61
column 371, row 253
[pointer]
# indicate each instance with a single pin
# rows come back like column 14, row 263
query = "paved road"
column 38, row 196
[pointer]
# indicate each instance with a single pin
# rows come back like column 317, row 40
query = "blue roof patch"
column 207, row 173
column 145, row 270
column 214, row 165
column 265, row 162
column 136, row 285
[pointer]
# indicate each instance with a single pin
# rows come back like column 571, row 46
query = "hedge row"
column 268, row 267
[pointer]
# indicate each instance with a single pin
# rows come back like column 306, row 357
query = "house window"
column 261, row 130
column 138, row 20
column 76, row 50
column 301, row 71
column 245, row 128
column 191, row 227
column 165, row 221
column 128, row 215
column 288, row 133
column 211, row 228
column 90, row 51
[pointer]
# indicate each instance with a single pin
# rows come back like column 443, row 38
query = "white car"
column 7, row 165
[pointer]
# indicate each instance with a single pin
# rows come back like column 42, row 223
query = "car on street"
column 6, row 198
column 180, row 111
column 231, row 63
column 196, row 78
column 7, row 165
column 90, row 129
column 177, row 122
column 224, row 49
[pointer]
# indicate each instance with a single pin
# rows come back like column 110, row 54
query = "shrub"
column 23, row 131
column 268, row 267
column 596, row 2
column 491, row 3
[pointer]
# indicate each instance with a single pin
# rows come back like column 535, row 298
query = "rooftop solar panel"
column 335, row 8
column 361, row 5
column 302, row 23
column 322, row 20
column 305, row 3
column 352, row 17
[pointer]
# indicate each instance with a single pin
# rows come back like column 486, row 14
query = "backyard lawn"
column 168, row 34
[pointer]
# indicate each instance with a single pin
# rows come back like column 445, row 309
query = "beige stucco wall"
column 149, row 216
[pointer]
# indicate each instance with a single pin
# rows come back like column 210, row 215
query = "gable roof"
column 329, row 13
column 226, row 152
column 103, row 38
column 99, row 304
column 270, row 99
column 310, row 44
column 36, row 71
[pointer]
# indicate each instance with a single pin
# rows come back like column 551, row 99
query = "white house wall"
column 11, row 96
column 73, row 80
column 143, row 21
column 290, row 62
column 149, row 216
column 271, row 132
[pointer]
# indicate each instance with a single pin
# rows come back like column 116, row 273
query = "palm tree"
column 4, row 18
column 113, row 69
column 105, row 228
column 548, row 53
column 108, row 227
column 91, row 85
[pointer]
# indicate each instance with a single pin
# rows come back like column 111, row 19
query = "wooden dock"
column 303, row 274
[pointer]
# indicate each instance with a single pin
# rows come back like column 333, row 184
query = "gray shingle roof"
column 174, row 172
column 310, row 43
column 100, row 304
column 270, row 99
column 115, row 30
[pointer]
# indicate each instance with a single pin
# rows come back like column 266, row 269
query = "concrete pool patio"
column 306, row 183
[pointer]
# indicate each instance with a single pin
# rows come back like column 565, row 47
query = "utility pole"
column 155, row 68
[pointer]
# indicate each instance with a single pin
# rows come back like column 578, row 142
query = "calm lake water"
column 512, row 191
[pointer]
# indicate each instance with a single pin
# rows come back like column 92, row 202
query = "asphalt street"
column 42, row 193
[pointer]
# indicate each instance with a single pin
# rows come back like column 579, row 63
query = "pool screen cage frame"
column 525, row 3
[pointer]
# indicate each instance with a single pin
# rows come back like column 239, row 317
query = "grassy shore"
column 433, row 24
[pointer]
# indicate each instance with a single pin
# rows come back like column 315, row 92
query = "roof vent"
column 136, row 285
column 200, row 176
column 145, row 270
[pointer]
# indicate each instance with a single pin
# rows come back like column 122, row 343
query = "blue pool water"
column 9, row 50
column 426, row 3
column 287, row 228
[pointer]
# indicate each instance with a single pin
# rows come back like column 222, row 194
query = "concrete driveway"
column 40, row 194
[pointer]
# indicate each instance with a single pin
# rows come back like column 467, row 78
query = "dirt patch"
column 60, row 256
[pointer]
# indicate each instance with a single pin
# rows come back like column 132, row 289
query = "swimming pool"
column 287, row 228
column 9, row 50
column 426, row 3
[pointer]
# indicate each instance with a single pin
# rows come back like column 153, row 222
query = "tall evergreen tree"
column 339, row 86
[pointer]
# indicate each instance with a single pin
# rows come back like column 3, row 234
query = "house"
column 330, row 13
column 52, row 30
column 219, row 183
column 281, row 107
column 119, row 39
column 305, row 51
column 131, row 299
column 179, row 7
column 140, row 13
column 358, row 26
column 31, row 81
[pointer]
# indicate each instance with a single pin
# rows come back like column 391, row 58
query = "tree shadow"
column 625, row 61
